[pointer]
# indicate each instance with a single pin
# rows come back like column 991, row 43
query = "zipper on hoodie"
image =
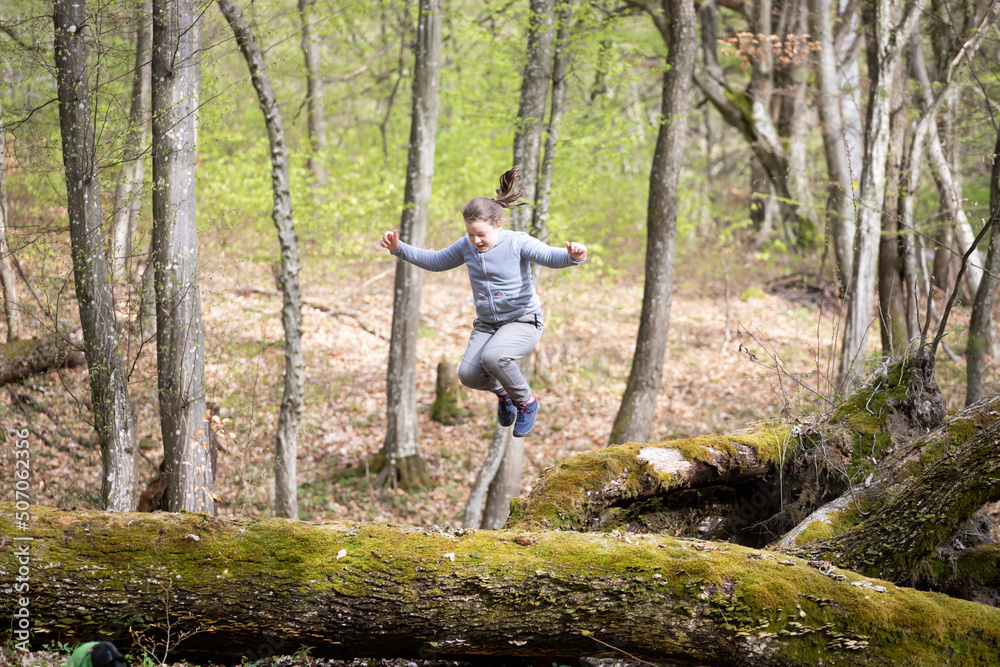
column 489, row 285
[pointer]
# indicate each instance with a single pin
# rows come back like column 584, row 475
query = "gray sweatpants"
column 489, row 363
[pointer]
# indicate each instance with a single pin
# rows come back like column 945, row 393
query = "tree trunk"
column 369, row 590
column 840, row 188
column 449, row 396
column 114, row 417
column 535, row 83
column 950, row 193
column 180, row 340
column 127, row 192
column 635, row 416
column 285, row 486
column 24, row 357
column 885, row 38
column 314, row 94
column 415, row 592
column 404, row 461
column 540, row 212
column 891, row 304
column 11, row 312
column 982, row 307
column 531, row 111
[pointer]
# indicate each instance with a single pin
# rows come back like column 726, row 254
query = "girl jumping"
column 508, row 321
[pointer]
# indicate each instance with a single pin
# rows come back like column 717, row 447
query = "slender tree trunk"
column 114, row 417
column 127, row 197
column 314, row 94
column 403, row 459
column 840, row 189
column 794, row 119
column 180, row 340
column 982, row 306
column 891, row 305
column 849, row 81
column 11, row 312
column 540, row 212
column 635, row 416
column 531, row 111
column 884, row 42
column 535, row 83
column 285, row 486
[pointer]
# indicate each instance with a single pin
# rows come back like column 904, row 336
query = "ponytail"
column 491, row 208
column 506, row 195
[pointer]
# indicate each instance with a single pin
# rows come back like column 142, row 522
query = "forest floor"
column 775, row 362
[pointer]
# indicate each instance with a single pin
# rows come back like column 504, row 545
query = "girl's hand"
column 390, row 241
column 577, row 251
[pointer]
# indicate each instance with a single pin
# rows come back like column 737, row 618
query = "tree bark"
column 130, row 177
column 350, row 590
column 535, row 83
column 885, row 39
column 918, row 497
column 114, row 417
column 635, row 415
column 24, row 357
column 11, row 312
column 285, row 485
column 180, row 340
column 840, row 187
column 891, row 302
column 404, row 461
column 982, row 306
column 314, row 92
column 540, row 212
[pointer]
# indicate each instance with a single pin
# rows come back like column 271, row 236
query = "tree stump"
column 449, row 404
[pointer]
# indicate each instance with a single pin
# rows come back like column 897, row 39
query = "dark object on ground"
column 21, row 358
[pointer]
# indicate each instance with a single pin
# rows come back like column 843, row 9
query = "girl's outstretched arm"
column 430, row 260
column 554, row 258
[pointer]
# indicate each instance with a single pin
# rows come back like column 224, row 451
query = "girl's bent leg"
column 470, row 371
column 499, row 356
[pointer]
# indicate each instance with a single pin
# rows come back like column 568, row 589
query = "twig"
column 615, row 648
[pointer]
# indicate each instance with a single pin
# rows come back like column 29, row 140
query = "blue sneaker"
column 526, row 417
column 506, row 412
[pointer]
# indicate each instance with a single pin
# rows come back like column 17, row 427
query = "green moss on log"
column 574, row 494
column 356, row 589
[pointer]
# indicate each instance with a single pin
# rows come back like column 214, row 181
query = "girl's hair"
column 491, row 208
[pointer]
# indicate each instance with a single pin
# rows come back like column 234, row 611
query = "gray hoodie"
column 500, row 277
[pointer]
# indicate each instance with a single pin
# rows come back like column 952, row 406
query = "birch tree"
column 180, row 340
column 888, row 29
column 403, row 460
column 114, row 416
column 285, row 486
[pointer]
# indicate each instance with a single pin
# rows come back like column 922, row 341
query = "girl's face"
column 483, row 233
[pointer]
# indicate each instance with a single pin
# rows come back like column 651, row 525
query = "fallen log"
column 757, row 483
column 21, row 358
column 247, row 587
